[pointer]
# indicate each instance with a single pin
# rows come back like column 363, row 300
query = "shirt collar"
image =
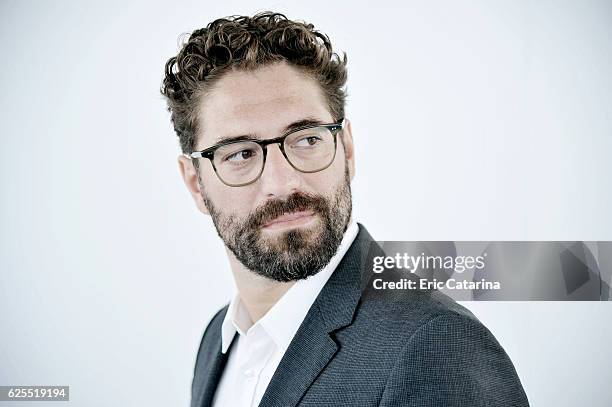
column 282, row 321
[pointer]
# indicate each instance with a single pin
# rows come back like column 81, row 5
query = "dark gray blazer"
column 359, row 348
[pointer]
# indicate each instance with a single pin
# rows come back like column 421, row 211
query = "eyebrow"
column 305, row 122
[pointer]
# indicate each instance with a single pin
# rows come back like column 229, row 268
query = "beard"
column 297, row 253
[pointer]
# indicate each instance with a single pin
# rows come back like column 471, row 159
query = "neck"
column 257, row 293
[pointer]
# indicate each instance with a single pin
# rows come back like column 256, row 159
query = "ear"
column 190, row 177
column 349, row 149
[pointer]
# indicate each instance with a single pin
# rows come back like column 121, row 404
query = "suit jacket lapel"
column 307, row 355
column 210, row 376
column 313, row 345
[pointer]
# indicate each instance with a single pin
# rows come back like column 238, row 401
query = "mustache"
column 296, row 202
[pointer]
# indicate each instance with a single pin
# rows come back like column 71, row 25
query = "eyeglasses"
column 307, row 149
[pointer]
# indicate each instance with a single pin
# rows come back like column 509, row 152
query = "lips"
column 288, row 217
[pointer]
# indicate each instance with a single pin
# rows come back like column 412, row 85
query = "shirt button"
column 250, row 373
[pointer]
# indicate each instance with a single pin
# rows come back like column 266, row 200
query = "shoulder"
column 402, row 314
column 396, row 313
column 420, row 323
column 442, row 353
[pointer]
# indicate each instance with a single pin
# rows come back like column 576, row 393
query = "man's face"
column 288, row 224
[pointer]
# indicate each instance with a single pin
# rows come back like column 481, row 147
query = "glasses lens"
column 310, row 150
column 239, row 163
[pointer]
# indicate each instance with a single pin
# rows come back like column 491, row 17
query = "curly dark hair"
column 241, row 42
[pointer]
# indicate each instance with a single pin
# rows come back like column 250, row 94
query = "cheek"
column 226, row 199
column 236, row 201
column 326, row 182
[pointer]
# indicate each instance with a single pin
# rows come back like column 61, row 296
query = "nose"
column 279, row 179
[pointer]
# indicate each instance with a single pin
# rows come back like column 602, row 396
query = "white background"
column 473, row 120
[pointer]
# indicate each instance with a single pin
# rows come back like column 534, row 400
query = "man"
column 258, row 105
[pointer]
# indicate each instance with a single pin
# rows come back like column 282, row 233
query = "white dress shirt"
column 261, row 346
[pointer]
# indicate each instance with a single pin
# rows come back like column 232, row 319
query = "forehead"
column 259, row 102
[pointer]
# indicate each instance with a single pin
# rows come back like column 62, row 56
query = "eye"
column 240, row 156
column 307, row 141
